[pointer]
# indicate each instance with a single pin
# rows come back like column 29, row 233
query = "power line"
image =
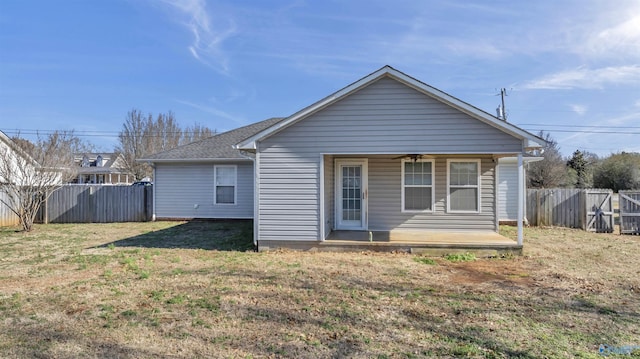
column 572, row 126
column 586, row 131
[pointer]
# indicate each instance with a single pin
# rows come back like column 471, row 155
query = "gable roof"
column 218, row 147
column 531, row 140
column 19, row 151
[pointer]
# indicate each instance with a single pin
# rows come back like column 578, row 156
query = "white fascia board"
column 191, row 160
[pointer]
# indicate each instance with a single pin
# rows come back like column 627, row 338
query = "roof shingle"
column 219, row 146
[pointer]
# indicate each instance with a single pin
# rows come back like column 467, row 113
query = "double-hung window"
column 417, row 185
column 463, row 186
column 225, row 184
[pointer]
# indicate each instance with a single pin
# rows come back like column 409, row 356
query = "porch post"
column 521, row 194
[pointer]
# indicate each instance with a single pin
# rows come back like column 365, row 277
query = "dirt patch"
column 497, row 270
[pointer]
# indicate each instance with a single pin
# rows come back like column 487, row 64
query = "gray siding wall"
column 385, row 206
column 385, row 117
column 507, row 191
column 181, row 186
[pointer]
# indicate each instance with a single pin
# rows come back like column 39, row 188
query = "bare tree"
column 142, row 136
column 552, row 170
column 30, row 172
column 195, row 133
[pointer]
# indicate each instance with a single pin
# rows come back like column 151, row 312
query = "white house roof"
column 531, row 140
column 15, row 148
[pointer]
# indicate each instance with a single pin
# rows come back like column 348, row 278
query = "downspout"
column 153, row 193
column 521, row 195
column 256, row 199
column 256, row 190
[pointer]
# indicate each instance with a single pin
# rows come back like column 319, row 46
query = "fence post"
column 45, row 218
column 538, row 208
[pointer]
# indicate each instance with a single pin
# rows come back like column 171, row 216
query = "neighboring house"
column 387, row 154
column 14, row 164
column 101, row 168
column 12, row 157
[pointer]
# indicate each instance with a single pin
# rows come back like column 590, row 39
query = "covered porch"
column 370, row 201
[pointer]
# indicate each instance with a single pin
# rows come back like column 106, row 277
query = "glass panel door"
column 351, row 194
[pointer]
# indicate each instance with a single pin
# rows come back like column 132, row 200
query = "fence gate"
column 629, row 212
column 599, row 210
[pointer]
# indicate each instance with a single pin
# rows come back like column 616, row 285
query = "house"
column 387, row 158
column 101, row 168
column 16, row 166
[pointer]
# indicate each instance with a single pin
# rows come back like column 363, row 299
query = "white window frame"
column 403, row 186
column 478, row 186
column 215, row 185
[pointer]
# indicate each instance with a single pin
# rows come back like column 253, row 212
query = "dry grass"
column 185, row 290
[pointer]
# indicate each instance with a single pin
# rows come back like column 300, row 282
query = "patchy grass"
column 191, row 289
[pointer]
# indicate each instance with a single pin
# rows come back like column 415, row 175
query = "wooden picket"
column 629, row 212
column 588, row 209
column 98, row 204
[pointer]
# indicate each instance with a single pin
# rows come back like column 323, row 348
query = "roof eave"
column 198, row 160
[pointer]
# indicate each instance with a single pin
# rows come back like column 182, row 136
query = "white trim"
column 153, row 195
column 196, row 160
column 403, row 186
column 235, row 185
column 364, row 208
column 321, row 235
column 529, row 140
column 521, row 195
column 478, row 186
column 496, row 197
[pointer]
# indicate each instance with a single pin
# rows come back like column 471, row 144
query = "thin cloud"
column 579, row 109
column 208, row 35
column 619, row 40
column 213, row 111
column 584, row 78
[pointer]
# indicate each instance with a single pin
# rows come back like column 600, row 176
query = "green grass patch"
column 460, row 257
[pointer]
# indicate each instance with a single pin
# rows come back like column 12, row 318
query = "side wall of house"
column 384, row 117
column 186, row 190
column 508, row 189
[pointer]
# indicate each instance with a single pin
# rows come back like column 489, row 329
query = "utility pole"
column 503, row 93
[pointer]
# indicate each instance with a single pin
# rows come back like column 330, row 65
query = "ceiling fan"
column 413, row 156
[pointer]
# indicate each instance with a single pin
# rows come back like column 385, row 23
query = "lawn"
column 197, row 290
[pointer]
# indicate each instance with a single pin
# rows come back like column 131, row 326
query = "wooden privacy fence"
column 7, row 217
column 98, row 204
column 629, row 203
column 589, row 209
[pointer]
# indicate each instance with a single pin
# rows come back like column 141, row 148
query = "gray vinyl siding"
column 507, row 191
column 179, row 187
column 389, row 117
column 385, row 202
column 385, row 117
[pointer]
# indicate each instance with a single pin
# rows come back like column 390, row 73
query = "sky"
column 569, row 67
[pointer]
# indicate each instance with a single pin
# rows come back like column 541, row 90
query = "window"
column 417, row 186
column 463, row 185
column 225, row 184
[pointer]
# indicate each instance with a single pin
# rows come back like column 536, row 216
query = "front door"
column 351, row 194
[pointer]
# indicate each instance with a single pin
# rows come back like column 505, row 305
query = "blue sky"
column 571, row 68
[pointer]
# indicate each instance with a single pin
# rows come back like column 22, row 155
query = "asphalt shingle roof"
column 219, row 146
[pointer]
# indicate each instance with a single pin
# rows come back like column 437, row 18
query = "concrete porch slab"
column 482, row 244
